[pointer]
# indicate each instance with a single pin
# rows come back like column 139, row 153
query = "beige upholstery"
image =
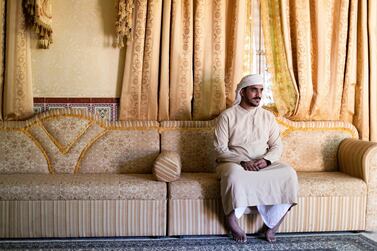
column 82, row 218
column 81, row 187
column 193, row 141
column 67, row 173
column 328, row 201
column 20, row 154
column 312, row 184
column 359, row 159
column 335, row 191
column 167, row 167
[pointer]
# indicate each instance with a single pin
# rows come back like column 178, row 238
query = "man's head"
column 249, row 90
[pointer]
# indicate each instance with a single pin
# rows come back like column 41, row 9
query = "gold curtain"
column 284, row 89
column 17, row 100
column 372, row 35
column 328, row 46
column 185, row 56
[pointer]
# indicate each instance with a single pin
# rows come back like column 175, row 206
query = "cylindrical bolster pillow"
column 167, row 166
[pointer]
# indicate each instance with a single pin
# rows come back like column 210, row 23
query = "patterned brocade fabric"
column 122, row 151
column 81, row 187
column 72, row 141
column 195, row 186
column 64, row 159
column 311, row 184
column 193, row 141
column 330, row 184
column 312, row 151
column 19, row 154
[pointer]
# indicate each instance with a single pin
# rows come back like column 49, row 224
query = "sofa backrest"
column 193, row 140
column 74, row 141
column 308, row 146
column 313, row 145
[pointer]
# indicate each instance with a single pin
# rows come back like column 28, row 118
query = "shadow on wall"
column 109, row 15
column 108, row 11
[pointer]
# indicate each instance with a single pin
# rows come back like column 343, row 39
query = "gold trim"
column 133, row 128
column 164, row 129
column 40, row 147
column 86, row 148
column 291, row 128
column 66, row 149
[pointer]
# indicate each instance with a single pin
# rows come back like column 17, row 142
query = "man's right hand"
column 249, row 165
column 254, row 165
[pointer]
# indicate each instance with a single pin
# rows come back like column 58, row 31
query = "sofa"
column 337, row 176
column 67, row 173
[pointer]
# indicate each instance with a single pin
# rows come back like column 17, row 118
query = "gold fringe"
column 42, row 29
column 123, row 25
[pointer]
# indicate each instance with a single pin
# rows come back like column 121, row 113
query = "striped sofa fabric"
column 337, row 178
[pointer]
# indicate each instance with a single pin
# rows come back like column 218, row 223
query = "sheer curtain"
column 329, row 51
column 183, row 60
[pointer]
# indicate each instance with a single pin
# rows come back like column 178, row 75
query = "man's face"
column 252, row 95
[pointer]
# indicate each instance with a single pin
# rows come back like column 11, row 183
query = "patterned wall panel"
column 106, row 108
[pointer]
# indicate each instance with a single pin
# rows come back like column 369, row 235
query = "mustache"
column 257, row 98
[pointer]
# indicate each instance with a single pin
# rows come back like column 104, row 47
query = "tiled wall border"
column 107, row 108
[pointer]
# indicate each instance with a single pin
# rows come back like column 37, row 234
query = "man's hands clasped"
column 254, row 165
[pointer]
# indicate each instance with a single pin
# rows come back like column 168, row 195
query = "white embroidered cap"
column 248, row 80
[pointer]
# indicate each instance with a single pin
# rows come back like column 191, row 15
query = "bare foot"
column 237, row 233
column 270, row 235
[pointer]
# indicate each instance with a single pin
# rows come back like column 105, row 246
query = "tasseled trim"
column 38, row 17
column 123, row 25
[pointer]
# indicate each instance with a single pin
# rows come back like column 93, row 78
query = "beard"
column 254, row 102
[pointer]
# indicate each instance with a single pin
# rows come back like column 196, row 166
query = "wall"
column 81, row 62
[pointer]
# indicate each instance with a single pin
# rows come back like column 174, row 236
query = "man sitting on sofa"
column 248, row 146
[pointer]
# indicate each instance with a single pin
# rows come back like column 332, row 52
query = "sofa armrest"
column 359, row 159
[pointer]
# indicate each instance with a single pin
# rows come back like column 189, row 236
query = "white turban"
column 248, row 80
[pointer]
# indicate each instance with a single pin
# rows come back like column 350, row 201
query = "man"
column 248, row 146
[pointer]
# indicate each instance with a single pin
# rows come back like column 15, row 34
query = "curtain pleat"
column 196, row 62
column 141, row 72
column 372, row 35
column 181, row 63
column 284, row 88
column 2, row 52
column 17, row 97
column 330, row 54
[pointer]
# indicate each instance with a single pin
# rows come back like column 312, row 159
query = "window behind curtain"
column 254, row 60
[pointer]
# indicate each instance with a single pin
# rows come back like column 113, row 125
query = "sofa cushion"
column 323, row 184
column 81, row 187
column 313, row 184
column 167, row 166
column 195, row 186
